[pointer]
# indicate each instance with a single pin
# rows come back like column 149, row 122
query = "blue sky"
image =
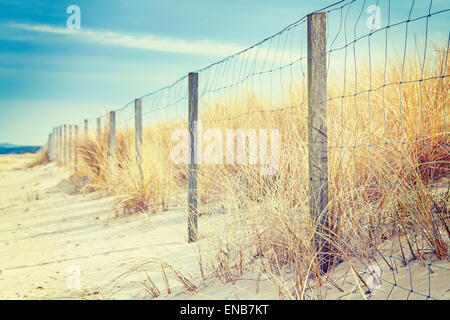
column 50, row 76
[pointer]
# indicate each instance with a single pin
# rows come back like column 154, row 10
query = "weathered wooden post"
column 192, row 166
column 49, row 147
column 317, row 134
column 55, row 144
column 70, row 146
column 52, row 144
column 85, row 129
column 76, row 147
column 138, row 135
column 112, row 139
column 99, row 130
column 60, row 158
column 65, row 145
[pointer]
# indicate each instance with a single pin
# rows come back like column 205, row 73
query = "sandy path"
column 48, row 233
column 45, row 230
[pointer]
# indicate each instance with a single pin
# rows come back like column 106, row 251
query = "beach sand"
column 59, row 244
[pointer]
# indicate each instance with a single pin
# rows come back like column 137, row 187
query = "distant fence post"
column 65, row 145
column 76, row 148
column 99, row 130
column 317, row 134
column 192, row 167
column 55, row 144
column 70, row 144
column 51, row 144
column 138, row 134
column 85, row 128
column 112, row 138
column 49, row 147
column 60, row 157
column 58, row 132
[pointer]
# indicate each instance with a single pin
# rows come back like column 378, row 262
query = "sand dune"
column 47, row 231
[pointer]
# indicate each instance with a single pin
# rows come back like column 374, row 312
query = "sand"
column 59, row 244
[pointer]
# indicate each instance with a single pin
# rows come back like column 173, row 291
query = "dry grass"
column 388, row 159
column 172, row 278
column 40, row 158
column 136, row 191
column 10, row 162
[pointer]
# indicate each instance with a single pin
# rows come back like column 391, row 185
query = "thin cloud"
column 145, row 42
column 150, row 42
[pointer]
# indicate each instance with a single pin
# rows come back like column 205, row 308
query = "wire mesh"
column 388, row 149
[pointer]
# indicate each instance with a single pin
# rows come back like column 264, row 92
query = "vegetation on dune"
column 388, row 169
column 40, row 158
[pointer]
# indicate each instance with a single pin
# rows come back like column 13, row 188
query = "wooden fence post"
column 55, row 144
column 49, row 147
column 85, row 128
column 112, row 138
column 76, row 147
column 317, row 134
column 60, row 155
column 99, row 130
column 65, row 145
column 138, row 134
column 193, row 148
column 70, row 146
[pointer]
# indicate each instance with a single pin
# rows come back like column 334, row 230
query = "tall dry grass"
column 40, row 158
column 135, row 191
column 388, row 159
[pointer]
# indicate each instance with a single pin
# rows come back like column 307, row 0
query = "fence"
column 355, row 108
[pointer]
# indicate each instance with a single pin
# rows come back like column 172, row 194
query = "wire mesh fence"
column 383, row 159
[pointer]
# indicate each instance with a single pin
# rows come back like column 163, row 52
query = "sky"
column 50, row 75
